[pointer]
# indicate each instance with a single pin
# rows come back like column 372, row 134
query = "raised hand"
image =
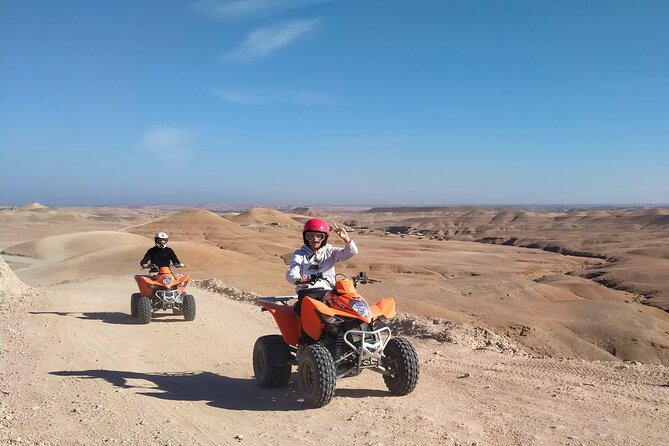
column 341, row 232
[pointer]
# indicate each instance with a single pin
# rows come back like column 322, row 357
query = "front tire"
column 317, row 375
column 401, row 361
column 134, row 300
column 188, row 307
column 144, row 310
column 271, row 361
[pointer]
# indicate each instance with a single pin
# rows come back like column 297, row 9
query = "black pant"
column 314, row 293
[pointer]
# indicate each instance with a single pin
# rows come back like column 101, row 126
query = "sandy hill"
column 578, row 211
column 196, row 225
column 45, row 215
column 634, row 241
column 264, row 216
column 11, row 286
column 304, row 211
column 598, row 214
column 504, row 217
column 57, row 248
column 660, row 222
column 202, row 226
column 84, row 255
column 227, row 214
column 33, row 206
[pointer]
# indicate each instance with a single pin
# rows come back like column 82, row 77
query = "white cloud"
column 169, row 144
column 260, row 97
column 263, row 41
column 240, row 9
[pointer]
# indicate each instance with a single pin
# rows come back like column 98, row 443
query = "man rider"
column 160, row 255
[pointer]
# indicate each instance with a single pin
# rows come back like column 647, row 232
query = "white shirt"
column 306, row 262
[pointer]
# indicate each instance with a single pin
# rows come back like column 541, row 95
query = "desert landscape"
column 533, row 326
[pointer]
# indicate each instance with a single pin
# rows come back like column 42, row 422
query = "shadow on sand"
column 113, row 317
column 218, row 391
column 363, row 393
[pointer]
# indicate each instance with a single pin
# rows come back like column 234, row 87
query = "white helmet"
column 160, row 239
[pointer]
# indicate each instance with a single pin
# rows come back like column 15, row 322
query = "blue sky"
column 340, row 102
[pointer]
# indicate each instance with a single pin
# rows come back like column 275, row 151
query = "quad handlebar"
column 151, row 265
column 363, row 279
column 311, row 280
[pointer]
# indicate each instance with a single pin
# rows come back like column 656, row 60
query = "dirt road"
column 76, row 369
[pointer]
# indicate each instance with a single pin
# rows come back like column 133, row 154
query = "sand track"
column 78, row 370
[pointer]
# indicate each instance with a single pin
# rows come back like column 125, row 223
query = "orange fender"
column 143, row 283
column 311, row 323
column 384, row 307
column 287, row 320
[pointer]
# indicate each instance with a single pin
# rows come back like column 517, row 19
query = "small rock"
column 466, row 375
column 238, row 437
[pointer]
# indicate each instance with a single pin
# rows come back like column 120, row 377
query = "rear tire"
column 401, row 360
column 317, row 376
column 144, row 310
column 271, row 361
column 134, row 299
column 188, row 307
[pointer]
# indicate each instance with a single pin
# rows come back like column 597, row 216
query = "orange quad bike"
column 161, row 290
column 333, row 338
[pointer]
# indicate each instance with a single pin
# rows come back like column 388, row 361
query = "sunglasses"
column 311, row 236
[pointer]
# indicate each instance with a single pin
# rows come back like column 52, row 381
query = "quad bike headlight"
column 167, row 281
column 361, row 307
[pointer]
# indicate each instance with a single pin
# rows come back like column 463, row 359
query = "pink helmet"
column 315, row 225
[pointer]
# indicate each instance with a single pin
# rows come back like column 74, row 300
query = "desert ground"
column 533, row 326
